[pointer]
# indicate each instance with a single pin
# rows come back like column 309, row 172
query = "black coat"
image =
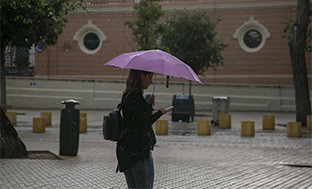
column 138, row 115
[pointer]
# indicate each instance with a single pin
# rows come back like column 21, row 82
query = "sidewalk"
column 182, row 159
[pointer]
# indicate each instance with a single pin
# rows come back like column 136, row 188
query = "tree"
column 145, row 28
column 11, row 146
column 298, row 35
column 191, row 36
column 24, row 23
column 28, row 22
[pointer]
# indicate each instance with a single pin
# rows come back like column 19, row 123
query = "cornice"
column 168, row 7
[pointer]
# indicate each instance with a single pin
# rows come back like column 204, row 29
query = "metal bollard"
column 69, row 129
column 83, row 125
column 268, row 122
column 203, row 127
column 248, row 128
column 83, row 122
column 309, row 122
column 83, row 115
column 48, row 118
column 294, row 129
column 38, row 125
column 161, row 127
column 225, row 121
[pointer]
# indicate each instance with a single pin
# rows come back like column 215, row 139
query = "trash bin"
column 69, row 129
column 183, row 109
column 220, row 105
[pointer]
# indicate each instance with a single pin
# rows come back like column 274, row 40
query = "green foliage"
column 27, row 22
column 288, row 31
column 145, row 28
column 191, row 36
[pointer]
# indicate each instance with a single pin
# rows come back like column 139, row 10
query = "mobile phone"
column 169, row 108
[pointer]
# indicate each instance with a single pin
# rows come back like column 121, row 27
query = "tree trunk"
column 297, row 53
column 11, row 146
column 2, row 80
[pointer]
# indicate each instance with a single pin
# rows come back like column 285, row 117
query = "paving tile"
column 182, row 159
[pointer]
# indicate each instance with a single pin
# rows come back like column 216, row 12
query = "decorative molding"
column 251, row 24
column 167, row 7
column 88, row 28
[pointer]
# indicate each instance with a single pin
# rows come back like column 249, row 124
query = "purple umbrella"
column 156, row 61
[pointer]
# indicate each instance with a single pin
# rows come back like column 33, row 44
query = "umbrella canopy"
column 156, row 61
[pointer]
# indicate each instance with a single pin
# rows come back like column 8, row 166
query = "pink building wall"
column 268, row 66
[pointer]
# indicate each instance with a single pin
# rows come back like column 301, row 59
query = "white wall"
column 48, row 94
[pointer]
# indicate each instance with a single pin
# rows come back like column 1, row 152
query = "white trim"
column 88, row 28
column 252, row 76
column 43, row 96
column 167, row 7
column 251, row 24
column 32, row 55
column 233, row 6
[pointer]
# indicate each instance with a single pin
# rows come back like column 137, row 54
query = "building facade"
column 257, row 53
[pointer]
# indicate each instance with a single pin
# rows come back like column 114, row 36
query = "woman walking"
column 134, row 152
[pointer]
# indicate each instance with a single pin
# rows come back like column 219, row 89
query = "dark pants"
column 141, row 175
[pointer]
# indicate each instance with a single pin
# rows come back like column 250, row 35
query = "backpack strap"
column 120, row 106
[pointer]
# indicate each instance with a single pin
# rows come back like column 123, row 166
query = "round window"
column 252, row 38
column 91, row 41
column 90, row 38
column 251, row 35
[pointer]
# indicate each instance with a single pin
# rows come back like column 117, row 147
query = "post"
column 309, row 122
column 161, row 127
column 48, row 118
column 203, row 127
column 248, row 128
column 69, row 129
column 38, row 125
column 225, row 121
column 294, row 129
column 2, row 81
column 268, row 122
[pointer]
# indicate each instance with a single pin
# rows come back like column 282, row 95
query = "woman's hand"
column 164, row 110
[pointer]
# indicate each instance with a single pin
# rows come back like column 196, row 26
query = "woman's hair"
column 134, row 80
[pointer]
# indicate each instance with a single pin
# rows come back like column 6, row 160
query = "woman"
column 134, row 151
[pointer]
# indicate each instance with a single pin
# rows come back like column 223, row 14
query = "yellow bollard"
column 47, row 117
column 309, row 122
column 161, row 127
column 38, row 125
column 83, row 125
column 268, row 122
column 203, row 127
column 248, row 128
column 294, row 129
column 12, row 117
column 83, row 115
column 225, row 121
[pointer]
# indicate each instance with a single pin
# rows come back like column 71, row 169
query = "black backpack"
column 114, row 126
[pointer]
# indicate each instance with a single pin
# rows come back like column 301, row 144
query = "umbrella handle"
column 154, row 84
column 167, row 83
